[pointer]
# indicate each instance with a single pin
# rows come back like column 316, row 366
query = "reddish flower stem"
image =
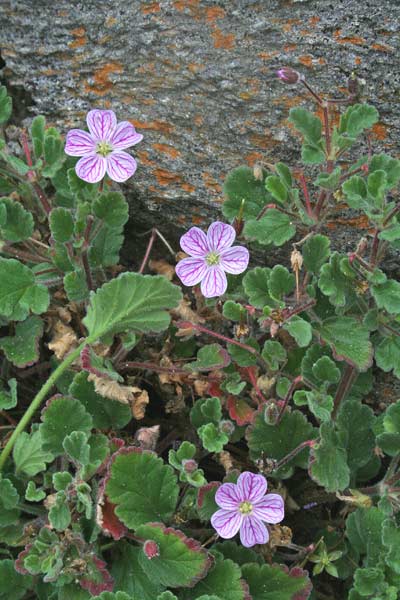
column 286, row 459
column 288, row 396
column 314, row 94
column 349, row 375
column 304, row 187
column 392, row 213
column 254, row 383
column 148, row 250
column 32, row 177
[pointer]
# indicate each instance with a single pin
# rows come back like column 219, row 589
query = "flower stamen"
column 246, row 508
column 212, row 258
column 103, row 148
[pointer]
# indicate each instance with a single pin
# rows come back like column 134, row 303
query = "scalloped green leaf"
column 276, row 582
column 316, row 251
column 355, row 423
column 387, row 296
column 8, row 399
column 387, row 354
column 37, row 133
column 105, row 247
column 112, row 208
column 210, row 357
column 212, row 438
column 391, row 541
column 357, row 118
column 14, row 586
column 16, row 223
column 142, row 487
column 300, row 330
column 5, row 105
column 237, row 553
column 255, row 285
column 180, row 561
column 223, row 579
column 274, row 228
column 61, row 224
column 22, row 349
column 356, row 349
column 307, row 123
column 389, row 439
column 391, row 166
column 131, row 301
column 336, row 284
column 276, row 441
column 75, row 286
column 328, row 464
column 240, row 184
column 19, row 293
column 281, row 283
column 61, row 417
column 29, row 456
column 364, row 531
column 129, row 576
column 9, row 498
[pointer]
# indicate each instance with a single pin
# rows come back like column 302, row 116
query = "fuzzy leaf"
column 61, row 224
column 336, row 284
column 112, row 208
column 19, row 293
column 206, row 410
column 274, row 354
column 281, row 283
column 223, row 580
column 233, row 310
column 355, row 429
column 59, row 513
column 316, row 251
column 8, row 399
column 75, row 286
column 130, row 577
column 22, row 348
column 391, row 166
column 28, row 454
column 276, row 441
column 389, row 439
column 357, row 118
column 239, row 554
column 37, row 134
column 142, row 487
column 240, row 184
column 329, row 181
column 308, row 124
column 206, row 505
column 312, row 154
column 61, row 417
column 368, row 581
column 209, row 358
column 131, row 301
column 325, row 370
column 181, row 561
column 274, row 227
column 277, row 189
column 32, row 494
column 76, row 446
column 300, row 330
column 5, row 105
column 364, row 531
column 387, row 354
column 328, row 464
column 16, row 223
column 106, row 414
column 105, row 247
column 276, row 582
column 255, row 284
column 9, row 498
column 212, row 438
column 387, row 296
column 391, row 541
column 356, row 349
column 321, row 405
column 13, row 585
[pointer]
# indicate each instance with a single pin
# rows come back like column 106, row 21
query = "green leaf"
column 387, row 296
column 308, row 124
column 316, row 251
column 61, row 480
column 336, row 283
column 329, row 181
column 389, row 439
column 59, row 513
column 105, row 247
column 278, row 190
column 112, row 208
column 76, row 446
column 212, row 438
column 355, row 190
column 75, row 285
column 391, row 541
column 61, row 417
column 240, row 184
column 377, row 185
column 355, row 423
column 106, row 414
column 131, row 301
column 284, row 174
column 281, row 283
column 61, row 224
column 233, row 310
column 391, row 233
column 320, row 404
column 222, row 580
column 19, row 293
column 22, row 349
column 206, row 410
column 357, row 118
column 142, row 487
column 32, row 494
column 355, row 349
column 300, row 330
column 53, row 152
column 325, row 370
column 129, row 576
column 387, row 354
column 209, row 358
column 312, row 155
column 8, row 399
column 180, row 562
column 255, row 285
column 274, row 227
column 5, row 105
column 16, row 223
column 274, row 354
column 276, row 582
column 276, row 441
column 238, row 554
column 13, row 585
column 364, row 531
column 37, row 134
column 242, row 356
column 28, row 454
column 328, row 464
column 9, row 499
column 15, row 163
column 369, row 581
column 391, row 166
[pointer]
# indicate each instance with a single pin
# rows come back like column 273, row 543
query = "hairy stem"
column 349, row 375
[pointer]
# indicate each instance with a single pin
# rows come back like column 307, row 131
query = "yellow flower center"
column 103, row 148
column 212, row 258
column 246, row 508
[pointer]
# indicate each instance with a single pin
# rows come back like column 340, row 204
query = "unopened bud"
column 258, row 172
column 296, row 260
column 227, row 427
column 151, row 549
column 189, row 465
column 288, row 75
column 241, row 330
column 353, row 85
column 271, row 413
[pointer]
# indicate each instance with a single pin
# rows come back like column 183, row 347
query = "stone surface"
column 197, row 78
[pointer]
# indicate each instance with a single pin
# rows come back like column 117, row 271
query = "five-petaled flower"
column 102, row 147
column 244, row 507
column 210, row 256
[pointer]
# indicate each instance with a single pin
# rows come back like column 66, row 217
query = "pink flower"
column 102, row 147
column 211, row 256
column 245, row 506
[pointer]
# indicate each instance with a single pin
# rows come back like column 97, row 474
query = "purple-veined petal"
column 270, row 508
column 91, row 168
column 220, row 236
column 120, row 166
column 79, row 143
column 226, row 522
column 191, row 270
column 252, row 532
column 125, row 136
column 194, row 242
column 235, row 260
column 251, row 487
column 101, row 123
column 227, row 496
column 214, row 283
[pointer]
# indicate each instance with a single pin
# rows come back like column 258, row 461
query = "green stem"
column 38, row 399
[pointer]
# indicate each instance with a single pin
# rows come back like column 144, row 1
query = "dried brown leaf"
column 64, row 339
column 162, row 267
column 147, row 437
column 185, row 312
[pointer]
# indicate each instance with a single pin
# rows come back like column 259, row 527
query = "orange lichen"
column 143, row 157
column 198, row 120
column 361, row 222
column 165, row 177
column 80, row 37
column 223, row 40
column 313, row 21
column 268, row 55
column 357, row 61
column 253, row 157
column 380, row 131
column 210, row 182
column 288, row 24
column 213, row 13
column 198, row 220
column 162, row 126
column 195, row 67
column 166, row 149
column 356, row 40
column 290, row 47
column 188, row 187
column 306, row 60
column 382, row 48
column 181, row 5
column 101, row 78
column 153, row 7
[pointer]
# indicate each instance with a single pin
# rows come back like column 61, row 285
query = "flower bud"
column 296, row 260
column 189, row 465
column 227, row 427
column 151, row 549
column 271, row 413
column 288, row 75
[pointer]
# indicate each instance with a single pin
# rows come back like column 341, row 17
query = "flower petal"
column 214, row 283
column 220, row 236
column 125, row 136
column 235, row 260
column 194, row 242
column 91, row 168
column 270, row 508
column 226, row 522
column 120, row 166
column 79, row 143
column 227, row 496
column 191, row 270
column 251, row 487
column 252, row 532
column 101, row 123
